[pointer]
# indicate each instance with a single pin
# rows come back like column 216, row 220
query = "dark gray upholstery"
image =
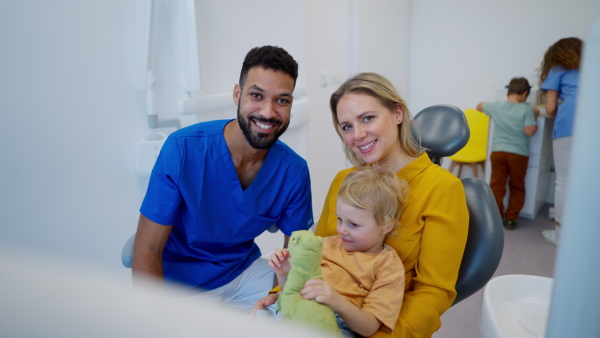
column 443, row 130
column 485, row 242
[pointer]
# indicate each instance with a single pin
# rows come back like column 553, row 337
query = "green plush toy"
column 306, row 251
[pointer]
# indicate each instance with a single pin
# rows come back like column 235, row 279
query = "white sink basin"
column 515, row 306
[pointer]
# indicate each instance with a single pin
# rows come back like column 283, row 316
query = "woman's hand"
column 322, row 292
column 263, row 303
column 280, row 262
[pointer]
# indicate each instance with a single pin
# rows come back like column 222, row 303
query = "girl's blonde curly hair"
column 377, row 189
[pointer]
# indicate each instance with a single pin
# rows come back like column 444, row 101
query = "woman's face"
column 370, row 129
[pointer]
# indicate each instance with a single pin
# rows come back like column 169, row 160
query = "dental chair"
column 443, row 130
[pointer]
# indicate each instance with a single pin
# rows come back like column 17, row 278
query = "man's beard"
column 260, row 140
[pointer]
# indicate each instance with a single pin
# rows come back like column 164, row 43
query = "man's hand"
column 263, row 303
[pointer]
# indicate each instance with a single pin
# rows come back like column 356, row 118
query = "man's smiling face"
column 264, row 106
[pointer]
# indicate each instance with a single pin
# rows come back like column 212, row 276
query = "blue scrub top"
column 565, row 82
column 194, row 187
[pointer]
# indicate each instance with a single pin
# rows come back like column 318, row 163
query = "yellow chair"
column 475, row 151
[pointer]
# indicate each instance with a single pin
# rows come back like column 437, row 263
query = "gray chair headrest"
column 442, row 129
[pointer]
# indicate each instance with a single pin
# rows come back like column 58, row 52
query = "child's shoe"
column 510, row 224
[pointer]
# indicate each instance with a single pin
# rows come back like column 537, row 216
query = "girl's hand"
column 280, row 262
column 322, row 292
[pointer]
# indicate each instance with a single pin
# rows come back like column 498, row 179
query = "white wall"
column 326, row 51
column 383, row 40
column 379, row 32
column 462, row 51
column 72, row 115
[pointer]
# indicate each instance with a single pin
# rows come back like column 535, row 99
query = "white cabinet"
column 539, row 175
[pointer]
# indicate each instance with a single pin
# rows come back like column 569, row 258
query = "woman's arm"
column 551, row 102
column 441, row 207
column 442, row 246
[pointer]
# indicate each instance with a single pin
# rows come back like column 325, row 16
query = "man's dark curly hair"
column 269, row 57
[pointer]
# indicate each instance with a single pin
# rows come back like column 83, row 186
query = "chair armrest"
column 127, row 252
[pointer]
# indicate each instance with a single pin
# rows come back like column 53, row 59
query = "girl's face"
column 358, row 229
column 370, row 129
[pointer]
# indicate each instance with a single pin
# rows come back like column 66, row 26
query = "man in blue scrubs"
column 217, row 185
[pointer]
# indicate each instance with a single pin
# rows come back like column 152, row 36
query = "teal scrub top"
column 509, row 120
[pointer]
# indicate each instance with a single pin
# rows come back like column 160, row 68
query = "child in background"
column 560, row 79
column 515, row 122
column 363, row 278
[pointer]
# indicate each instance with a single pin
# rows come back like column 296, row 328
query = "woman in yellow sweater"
column 374, row 122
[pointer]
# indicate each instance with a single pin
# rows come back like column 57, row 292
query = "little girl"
column 363, row 278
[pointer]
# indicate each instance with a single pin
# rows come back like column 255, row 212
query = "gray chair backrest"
column 443, row 130
column 485, row 242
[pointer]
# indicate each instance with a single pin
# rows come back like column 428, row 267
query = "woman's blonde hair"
column 377, row 189
column 381, row 88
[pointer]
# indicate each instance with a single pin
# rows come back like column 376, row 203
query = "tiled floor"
column 525, row 252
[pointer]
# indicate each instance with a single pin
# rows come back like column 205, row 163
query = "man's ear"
column 237, row 91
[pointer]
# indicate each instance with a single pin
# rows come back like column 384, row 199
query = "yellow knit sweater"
column 430, row 243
